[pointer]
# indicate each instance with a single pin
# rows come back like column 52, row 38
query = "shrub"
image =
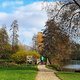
column 55, row 67
column 34, row 54
column 20, row 56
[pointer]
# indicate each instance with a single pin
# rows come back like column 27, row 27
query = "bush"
column 20, row 56
column 34, row 54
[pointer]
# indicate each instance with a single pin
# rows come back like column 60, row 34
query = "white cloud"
column 30, row 19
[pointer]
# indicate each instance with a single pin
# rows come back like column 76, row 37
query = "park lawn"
column 68, row 75
column 19, row 72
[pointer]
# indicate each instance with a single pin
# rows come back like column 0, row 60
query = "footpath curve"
column 45, row 74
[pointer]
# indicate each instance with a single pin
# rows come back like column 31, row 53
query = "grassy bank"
column 18, row 72
column 68, row 75
column 63, row 75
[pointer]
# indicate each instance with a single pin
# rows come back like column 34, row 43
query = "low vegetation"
column 20, row 56
column 68, row 75
column 54, row 67
column 18, row 72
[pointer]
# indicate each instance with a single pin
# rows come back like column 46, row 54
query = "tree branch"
column 73, row 17
column 76, row 3
column 63, row 6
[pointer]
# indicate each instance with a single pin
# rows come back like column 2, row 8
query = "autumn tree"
column 34, row 43
column 38, row 42
column 5, row 47
column 56, row 43
column 66, row 15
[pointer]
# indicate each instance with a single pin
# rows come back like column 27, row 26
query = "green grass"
column 68, row 75
column 18, row 72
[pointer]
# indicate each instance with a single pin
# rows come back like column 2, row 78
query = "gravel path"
column 45, row 74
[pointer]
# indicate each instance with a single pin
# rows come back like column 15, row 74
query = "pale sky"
column 29, row 14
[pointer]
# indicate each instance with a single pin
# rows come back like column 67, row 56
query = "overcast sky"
column 31, row 18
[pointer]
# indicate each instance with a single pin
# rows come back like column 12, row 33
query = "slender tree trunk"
column 49, row 60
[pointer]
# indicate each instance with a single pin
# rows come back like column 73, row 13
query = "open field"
column 19, row 72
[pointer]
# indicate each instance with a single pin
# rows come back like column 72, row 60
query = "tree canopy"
column 62, row 27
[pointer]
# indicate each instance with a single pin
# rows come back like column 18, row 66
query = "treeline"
column 7, row 48
column 11, row 49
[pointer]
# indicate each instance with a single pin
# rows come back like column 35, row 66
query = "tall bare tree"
column 66, row 13
column 14, row 28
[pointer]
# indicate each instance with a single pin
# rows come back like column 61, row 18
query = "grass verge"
column 18, row 72
column 68, row 75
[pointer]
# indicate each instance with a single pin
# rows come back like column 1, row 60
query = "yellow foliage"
column 20, row 56
column 39, row 37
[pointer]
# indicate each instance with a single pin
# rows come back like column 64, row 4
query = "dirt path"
column 45, row 74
